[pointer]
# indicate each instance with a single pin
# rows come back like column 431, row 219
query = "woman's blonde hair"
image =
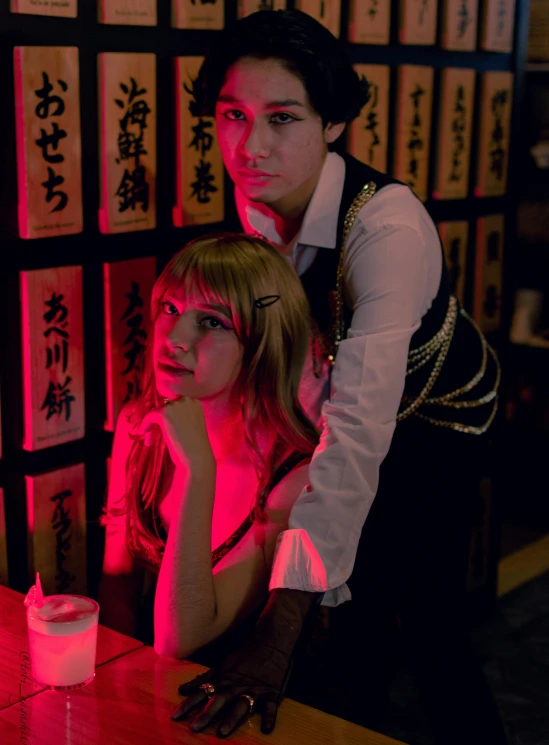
column 233, row 270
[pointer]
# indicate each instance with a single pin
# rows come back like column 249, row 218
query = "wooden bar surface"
column 130, row 702
column 15, row 676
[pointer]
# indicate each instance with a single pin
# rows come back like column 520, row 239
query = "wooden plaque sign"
column 3, row 544
column 247, row 7
column 417, row 21
column 128, row 12
column 413, row 126
column 56, row 523
column 370, row 21
column 200, row 175
column 197, row 14
column 488, row 272
column 455, row 239
column 127, row 110
column 47, row 115
column 495, row 125
column 62, row 8
column 498, row 25
column 459, row 25
column 369, row 133
column 327, row 12
column 53, row 356
column 127, row 294
column 455, row 122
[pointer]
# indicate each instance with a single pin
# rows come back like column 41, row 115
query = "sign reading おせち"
column 326, row 12
column 199, row 171
column 489, row 272
column 198, row 14
column 47, row 114
column 53, row 356
column 127, row 105
column 62, row 8
column 413, row 126
column 454, row 236
column 247, row 7
column 127, row 291
column 56, row 523
column 455, row 122
column 369, row 132
column 128, row 12
column 495, row 128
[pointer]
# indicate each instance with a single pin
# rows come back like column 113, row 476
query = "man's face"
column 272, row 140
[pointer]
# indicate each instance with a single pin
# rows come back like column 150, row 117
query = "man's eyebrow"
column 224, row 98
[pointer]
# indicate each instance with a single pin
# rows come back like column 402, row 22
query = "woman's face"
column 272, row 141
column 196, row 350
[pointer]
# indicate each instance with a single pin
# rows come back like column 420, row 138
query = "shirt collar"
column 319, row 226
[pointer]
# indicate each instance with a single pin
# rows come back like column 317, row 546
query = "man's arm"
column 389, row 277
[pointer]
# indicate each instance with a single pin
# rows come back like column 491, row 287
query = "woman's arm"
column 194, row 606
column 121, row 579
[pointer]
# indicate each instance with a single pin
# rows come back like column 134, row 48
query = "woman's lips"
column 174, row 370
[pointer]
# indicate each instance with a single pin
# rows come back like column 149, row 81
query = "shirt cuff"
column 297, row 566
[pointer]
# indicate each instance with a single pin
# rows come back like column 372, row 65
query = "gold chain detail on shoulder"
column 437, row 346
column 364, row 195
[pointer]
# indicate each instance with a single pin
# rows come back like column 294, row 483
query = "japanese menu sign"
column 62, row 8
column 3, row 544
column 369, row 21
column 455, row 237
column 53, row 356
column 417, row 21
column 246, row 7
column 127, row 110
column 459, row 25
column 128, row 12
column 413, row 126
column 498, row 25
column 369, row 132
column 56, row 524
column 199, row 166
column 327, row 12
column 198, row 14
column 49, row 167
column 495, row 128
column 127, row 289
column 488, row 272
column 453, row 141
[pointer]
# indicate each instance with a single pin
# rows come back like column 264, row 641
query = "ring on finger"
column 250, row 700
column 208, row 689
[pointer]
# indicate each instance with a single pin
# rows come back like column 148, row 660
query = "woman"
column 413, row 390
column 208, row 461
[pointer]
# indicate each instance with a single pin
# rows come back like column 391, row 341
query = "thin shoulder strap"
column 291, row 462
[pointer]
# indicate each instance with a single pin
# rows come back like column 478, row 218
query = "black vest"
column 464, row 358
column 465, row 355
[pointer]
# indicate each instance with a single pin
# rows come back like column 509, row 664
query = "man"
column 370, row 259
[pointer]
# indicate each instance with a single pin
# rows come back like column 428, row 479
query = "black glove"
column 255, row 676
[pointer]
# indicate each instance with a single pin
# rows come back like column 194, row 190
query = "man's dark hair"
column 302, row 45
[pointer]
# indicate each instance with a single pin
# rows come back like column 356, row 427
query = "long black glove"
column 259, row 670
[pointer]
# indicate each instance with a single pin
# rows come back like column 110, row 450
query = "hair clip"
column 266, row 300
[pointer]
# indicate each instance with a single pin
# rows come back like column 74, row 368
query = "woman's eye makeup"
column 168, row 308
column 212, row 323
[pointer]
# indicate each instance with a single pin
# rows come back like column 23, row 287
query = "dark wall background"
column 90, row 248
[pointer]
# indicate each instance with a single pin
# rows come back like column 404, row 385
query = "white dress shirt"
column 391, row 271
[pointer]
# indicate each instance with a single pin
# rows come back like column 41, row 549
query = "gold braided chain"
column 438, row 345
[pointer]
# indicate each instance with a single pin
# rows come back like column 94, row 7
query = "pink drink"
column 63, row 641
